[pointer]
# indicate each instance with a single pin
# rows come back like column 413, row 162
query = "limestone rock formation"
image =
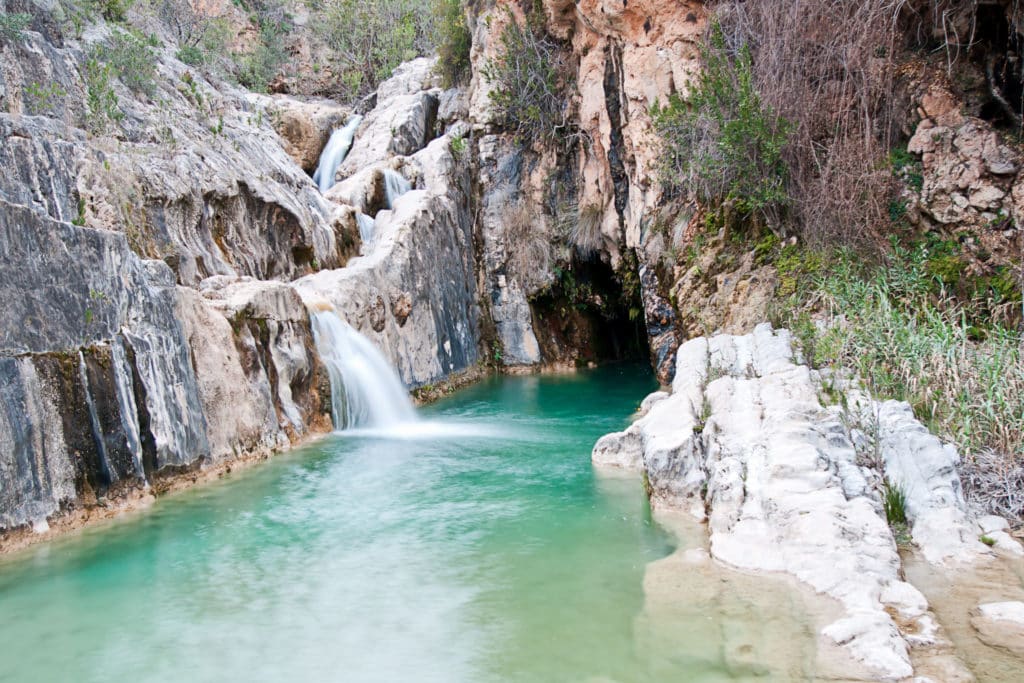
column 304, row 125
column 970, row 180
column 152, row 327
column 789, row 484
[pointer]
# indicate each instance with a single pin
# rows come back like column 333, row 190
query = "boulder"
column 305, row 126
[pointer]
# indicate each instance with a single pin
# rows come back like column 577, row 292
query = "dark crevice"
column 613, row 103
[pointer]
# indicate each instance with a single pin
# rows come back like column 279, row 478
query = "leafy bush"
column 256, row 68
column 827, row 69
column 112, row 10
column 132, row 59
column 372, row 37
column 100, row 99
column 41, row 98
column 12, row 25
column 529, row 79
column 202, row 36
column 723, row 143
column 454, row 41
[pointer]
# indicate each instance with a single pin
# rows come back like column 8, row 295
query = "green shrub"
column 530, row 79
column 112, row 10
column 191, row 55
column 256, row 68
column 100, row 99
column 723, row 143
column 454, row 41
column 132, row 59
column 370, row 38
column 12, row 25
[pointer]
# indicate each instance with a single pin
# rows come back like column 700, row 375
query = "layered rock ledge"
column 788, row 483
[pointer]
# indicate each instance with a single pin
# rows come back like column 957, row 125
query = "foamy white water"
column 334, row 153
column 366, row 392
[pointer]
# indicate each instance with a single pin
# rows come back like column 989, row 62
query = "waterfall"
column 129, row 410
column 366, row 227
column 94, row 422
column 334, row 153
column 395, row 185
column 365, row 390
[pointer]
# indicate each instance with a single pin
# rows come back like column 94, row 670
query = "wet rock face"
column 304, row 126
column 114, row 374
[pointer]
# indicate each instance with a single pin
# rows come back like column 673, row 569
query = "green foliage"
column 458, row 145
column 132, row 59
column 13, row 24
column 907, row 167
column 100, row 99
column 987, row 540
column 112, row 10
column 372, row 37
column 192, row 55
column 257, row 67
column 897, row 326
column 42, row 98
column 894, row 501
column 453, row 41
column 723, row 143
column 79, row 219
column 529, row 82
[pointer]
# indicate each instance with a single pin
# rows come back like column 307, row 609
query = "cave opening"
column 592, row 314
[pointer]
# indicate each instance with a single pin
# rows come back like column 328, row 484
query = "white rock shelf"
column 744, row 442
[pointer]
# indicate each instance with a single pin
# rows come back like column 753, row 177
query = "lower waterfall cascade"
column 366, row 392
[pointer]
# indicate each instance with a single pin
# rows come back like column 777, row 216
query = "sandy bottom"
column 955, row 593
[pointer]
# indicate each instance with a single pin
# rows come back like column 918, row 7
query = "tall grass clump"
column 897, row 326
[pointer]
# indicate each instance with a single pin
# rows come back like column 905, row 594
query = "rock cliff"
column 155, row 268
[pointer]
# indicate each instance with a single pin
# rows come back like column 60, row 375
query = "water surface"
column 482, row 547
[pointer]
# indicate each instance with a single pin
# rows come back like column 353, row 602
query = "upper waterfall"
column 395, row 185
column 365, row 390
column 334, row 153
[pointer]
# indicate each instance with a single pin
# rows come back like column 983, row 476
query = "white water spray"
column 395, row 185
column 366, row 227
column 366, row 393
column 334, row 153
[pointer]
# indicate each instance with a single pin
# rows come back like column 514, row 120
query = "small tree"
column 530, row 78
column 454, row 41
column 723, row 144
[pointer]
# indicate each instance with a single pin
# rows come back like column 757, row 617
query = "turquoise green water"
column 488, row 551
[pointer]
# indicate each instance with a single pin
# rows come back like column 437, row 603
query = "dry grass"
column 909, row 343
column 826, row 68
column 528, row 251
column 581, row 228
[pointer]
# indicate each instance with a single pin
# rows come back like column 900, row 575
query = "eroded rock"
column 744, row 439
